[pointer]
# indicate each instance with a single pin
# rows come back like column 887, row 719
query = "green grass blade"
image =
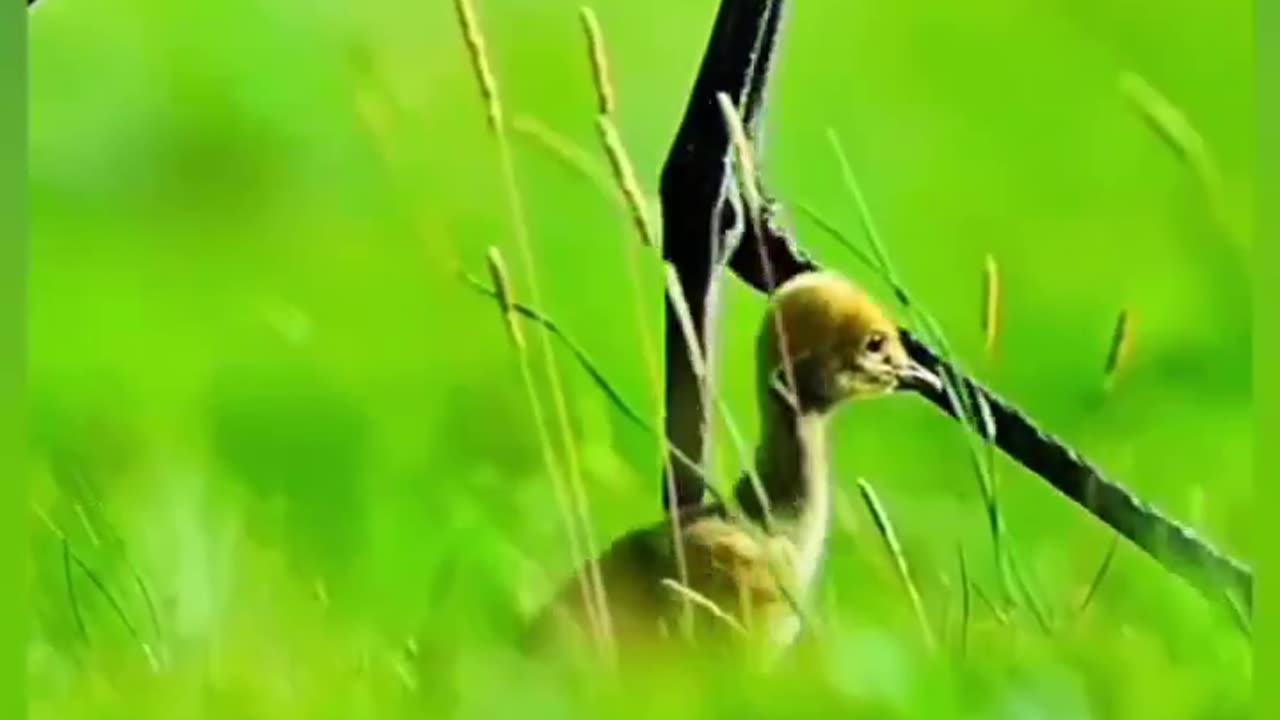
column 884, row 526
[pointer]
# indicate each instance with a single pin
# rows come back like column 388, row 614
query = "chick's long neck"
column 791, row 463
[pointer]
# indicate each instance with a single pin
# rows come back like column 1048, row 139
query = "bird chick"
column 823, row 341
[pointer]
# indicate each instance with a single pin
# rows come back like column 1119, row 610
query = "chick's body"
column 734, row 585
column 823, row 341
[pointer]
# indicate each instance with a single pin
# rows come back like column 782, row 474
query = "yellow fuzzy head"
column 827, row 341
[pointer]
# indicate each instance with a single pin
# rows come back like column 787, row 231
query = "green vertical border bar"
column 1266, row 361
column 13, row 268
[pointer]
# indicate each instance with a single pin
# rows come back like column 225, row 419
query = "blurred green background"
column 261, row 393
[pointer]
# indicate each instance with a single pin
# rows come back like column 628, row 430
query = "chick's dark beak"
column 911, row 375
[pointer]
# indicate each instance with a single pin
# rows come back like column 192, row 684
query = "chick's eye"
column 875, row 343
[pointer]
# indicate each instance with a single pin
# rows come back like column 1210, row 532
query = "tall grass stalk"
column 1172, row 125
column 588, row 365
column 972, row 409
column 72, row 558
column 489, row 91
column 506, row 303
column 880, row 517
column 990, row 304
column 108, row 536
column 1100, row 575
column 1120, row 348
column 573, row 157
column 626, row 183
column 965, row 600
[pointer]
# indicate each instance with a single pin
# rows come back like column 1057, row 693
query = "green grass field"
column 282, row 462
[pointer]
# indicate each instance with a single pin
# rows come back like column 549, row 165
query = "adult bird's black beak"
column 914, row 376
